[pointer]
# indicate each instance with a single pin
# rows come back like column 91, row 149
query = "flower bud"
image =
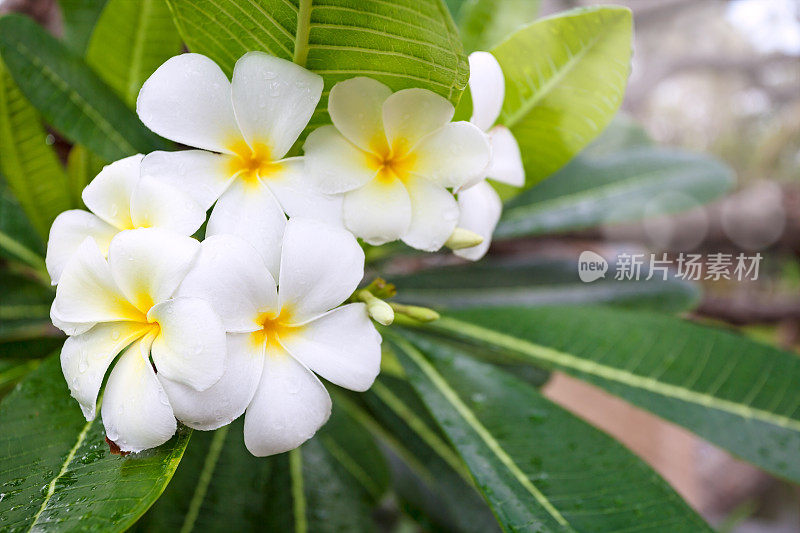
column 463, row 238
column 380, row 311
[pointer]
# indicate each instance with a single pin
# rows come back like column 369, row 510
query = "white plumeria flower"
column 280, row 336
column 120, row 199
column 393, row 156
column 479, row 203
column 243, row 129
column 127, row 301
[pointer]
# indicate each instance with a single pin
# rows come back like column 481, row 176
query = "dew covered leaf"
column 538, row 466
column 56, row 471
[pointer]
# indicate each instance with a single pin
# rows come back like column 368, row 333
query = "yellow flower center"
column 273, row 326
column 250, row 163
column 393, row 162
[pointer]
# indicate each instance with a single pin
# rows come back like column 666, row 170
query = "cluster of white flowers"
column 242, row 321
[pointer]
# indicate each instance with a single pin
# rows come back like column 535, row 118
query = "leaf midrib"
column 24, row 253
column 351, row 465
column 471, row 418
column 543, row 91
column 204, row 480
column 421, row 429
column 302, row 32
column 13, row 156
column 76, row 98
column 298, row 491
column 545, row 354
column 51, row 488
column 380, row 433
column 135, row 69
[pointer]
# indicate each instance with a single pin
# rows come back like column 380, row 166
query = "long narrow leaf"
column 404, row 43
column 737, row 393
column 68, row 94
column 18, row 238
column 79, row 18
column 432, row 481
column 56, row 469
column 565, row 78
column 27, row 162
column 540, row 468
column 621, row 186
column 130, row 41
column 326, row 485
column 537, row 282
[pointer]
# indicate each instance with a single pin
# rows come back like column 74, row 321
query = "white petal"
column 342, row 346
column 231, row 275
column 355, row 108
column 87, row 292
column 289, row 406
column 434, row 213
column 273, row 100
column 334, row 164
column 506, row 164
column 480, row 208
column 70, row 328
column 453, row 155
column 108, row 195
column 136, row 411
column 190, row 346
column 411, row 114
column 250, row 211
column 158, row 204
column 188, row 100
column 148, row 264
column 297, row 195
column 68, row 231
column 85, row 359
column 321, row 266
column 225, row 400
column 487, row 87
column 378, row 212
column 202, row 175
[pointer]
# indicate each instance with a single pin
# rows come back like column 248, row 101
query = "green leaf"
column 623, row 133
column 221, row 486
column 12, row 371
column 24, row 308
column 485, row 23
column 69, row 95
column 536, row 283
column 82, row 167
column 405, row 43
column 38, row 345
column 433, row 483
column 565, row 78
column 56, row 470
column 734, row 392
column 347, row 441
column 79, row 18
column 620, row 186
column 539, row 467
column 130, row 41
column 28, row 163
column 18, row 239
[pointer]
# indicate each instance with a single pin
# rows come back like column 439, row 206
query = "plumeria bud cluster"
column 244, row 321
